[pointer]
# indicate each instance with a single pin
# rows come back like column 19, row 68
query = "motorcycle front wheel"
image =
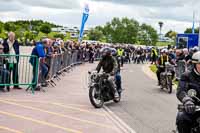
column 169, row 84
column 96, row 98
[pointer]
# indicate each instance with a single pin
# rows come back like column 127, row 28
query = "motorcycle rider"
column 120, row 53
column 109, row 65
column 189, row 80
column 161, row 63
column 154, row 55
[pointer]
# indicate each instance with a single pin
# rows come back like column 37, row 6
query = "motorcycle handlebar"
column 181, row 107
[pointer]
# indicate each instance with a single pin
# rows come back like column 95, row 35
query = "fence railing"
column 56, row 65
column 31, row 71
column 18, row 70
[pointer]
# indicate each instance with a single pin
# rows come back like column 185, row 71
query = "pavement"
column 62, row 109
column 144, row 106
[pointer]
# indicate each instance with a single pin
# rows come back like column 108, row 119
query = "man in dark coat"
column 11, row 46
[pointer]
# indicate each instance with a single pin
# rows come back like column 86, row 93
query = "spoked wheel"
column 96, row 98
column 162, row 82
column 117, row 99
column 169, row 84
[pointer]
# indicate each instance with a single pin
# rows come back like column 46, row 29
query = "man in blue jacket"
column 11, row 46
column 39, row 51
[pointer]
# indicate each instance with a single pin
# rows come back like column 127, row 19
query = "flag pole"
column 199, row 36
column 193, row 26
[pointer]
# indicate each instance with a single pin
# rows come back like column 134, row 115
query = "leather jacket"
column 108, row 63
column 189, row 80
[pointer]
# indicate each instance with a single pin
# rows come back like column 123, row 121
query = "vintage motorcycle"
column 102, row 90
column 166, row 77
column 196, row 126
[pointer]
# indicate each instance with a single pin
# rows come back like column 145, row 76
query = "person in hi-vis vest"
column 154, row 55
column 164, row 57
column 120, row 53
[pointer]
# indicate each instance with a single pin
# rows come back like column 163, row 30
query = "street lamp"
column 160, row 25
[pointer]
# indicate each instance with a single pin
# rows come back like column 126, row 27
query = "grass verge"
column 164, row 43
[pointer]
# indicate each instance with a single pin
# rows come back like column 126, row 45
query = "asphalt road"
column 144, row 106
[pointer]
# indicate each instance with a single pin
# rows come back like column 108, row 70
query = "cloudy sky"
column 176, row 14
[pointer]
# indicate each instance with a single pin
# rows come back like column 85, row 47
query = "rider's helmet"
column 106, row 51
column 195, row 49
column 164, row 51
column 113, row 52
column 195, row 61
column 196, row 58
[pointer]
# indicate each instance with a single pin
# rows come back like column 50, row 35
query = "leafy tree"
column 148, row 35
column 95, row 34
column 9, row 26
column 121, row 30
column 168, row 33
column 28, row 35
column 40, row 36
column 189, row 30
column 126, row 31
column 45, row 28
column 1, row 26
column 59, row 36
column 173, row 34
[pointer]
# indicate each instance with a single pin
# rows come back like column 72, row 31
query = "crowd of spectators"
column 47, row 48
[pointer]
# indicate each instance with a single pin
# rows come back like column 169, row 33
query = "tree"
column 45, row 28
column 126, row 30
column 148, row 35
column 28, row 35
column 168, row 33
column 59, row 36
column 95, row 34
column 121, row 30
column 171, row 34
column 189, row 30
column 1, row 26
column 9, row 26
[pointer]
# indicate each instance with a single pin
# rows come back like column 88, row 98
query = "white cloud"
column 176, row 14
column 149, row 3
column 10, row 6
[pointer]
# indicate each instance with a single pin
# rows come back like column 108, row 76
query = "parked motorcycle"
column 196, row 126
column 166, row 77
column 101, row 90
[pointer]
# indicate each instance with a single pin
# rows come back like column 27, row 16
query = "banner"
column 84, row 20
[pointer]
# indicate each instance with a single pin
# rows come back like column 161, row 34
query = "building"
column 74, row 32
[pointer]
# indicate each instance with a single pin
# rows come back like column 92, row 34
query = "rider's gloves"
column 189, row 106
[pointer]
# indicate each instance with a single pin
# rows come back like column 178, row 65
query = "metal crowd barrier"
column 59, row 63
column 18, row 70
column 28, row 70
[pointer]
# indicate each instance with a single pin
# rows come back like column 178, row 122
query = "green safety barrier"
column 19, row 70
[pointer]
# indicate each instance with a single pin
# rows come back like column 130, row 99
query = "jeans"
column 45, row 71
column 118, row 81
